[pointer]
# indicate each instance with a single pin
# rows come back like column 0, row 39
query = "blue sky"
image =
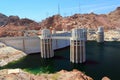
column 40, row 9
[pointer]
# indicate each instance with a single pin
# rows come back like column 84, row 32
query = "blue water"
column 102, row 60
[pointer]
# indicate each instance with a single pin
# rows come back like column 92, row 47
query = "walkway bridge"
column 61, row 38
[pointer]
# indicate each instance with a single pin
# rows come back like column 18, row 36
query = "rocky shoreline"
column 61, row 75
column 18, row 74
column 9, row 54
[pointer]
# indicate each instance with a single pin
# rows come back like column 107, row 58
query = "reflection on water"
column 102, row 60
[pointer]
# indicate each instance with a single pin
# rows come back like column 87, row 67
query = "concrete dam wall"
column 32, row 44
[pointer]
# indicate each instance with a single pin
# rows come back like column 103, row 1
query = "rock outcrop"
column 62, row 75
column 18, row 74
column 14, row 26
column 3, row 19
column 92, row 20
column 114, row 17
column 9, row 54
column 105, row 78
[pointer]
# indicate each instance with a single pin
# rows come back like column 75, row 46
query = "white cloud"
column 85, row 6
column 92, row 8
column 103, row 8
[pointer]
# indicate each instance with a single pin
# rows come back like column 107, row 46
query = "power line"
column 58, row 9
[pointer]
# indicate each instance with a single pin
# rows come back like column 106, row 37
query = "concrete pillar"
column 46, row 44
column 53, row 31
column 77, row 46
column 85, row 33
column 25, row 33
column 100, row 35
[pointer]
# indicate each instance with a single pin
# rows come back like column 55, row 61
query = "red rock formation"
column 62, row 75
column 17, row 25
column 109, row 21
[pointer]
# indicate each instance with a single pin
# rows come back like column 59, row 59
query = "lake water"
column 102, row 60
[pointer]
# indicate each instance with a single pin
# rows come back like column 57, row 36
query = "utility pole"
column 47, row 14
column 58, row 9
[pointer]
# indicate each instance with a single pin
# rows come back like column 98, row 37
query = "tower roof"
column 45, row 33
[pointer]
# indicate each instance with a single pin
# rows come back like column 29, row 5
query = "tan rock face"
column 105, row 78
column 62, row 75
column 14, row 26
column 3, row 19
column 109, row 21
column 9, row 54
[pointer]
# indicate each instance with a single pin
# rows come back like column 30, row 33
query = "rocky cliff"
column 3, row 19
column 92, row 20
column 114, row 17
column 109, row 21
column 14, row 26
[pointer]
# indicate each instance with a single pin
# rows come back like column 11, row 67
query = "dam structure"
column 77, row 45
column 100, row 35
column 46, row 43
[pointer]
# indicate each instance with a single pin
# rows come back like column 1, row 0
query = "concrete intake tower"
column 100, row 35
column 77, row 46
column 46, row 44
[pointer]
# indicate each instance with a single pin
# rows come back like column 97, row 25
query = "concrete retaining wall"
column 26, row 44
column 32, row 44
